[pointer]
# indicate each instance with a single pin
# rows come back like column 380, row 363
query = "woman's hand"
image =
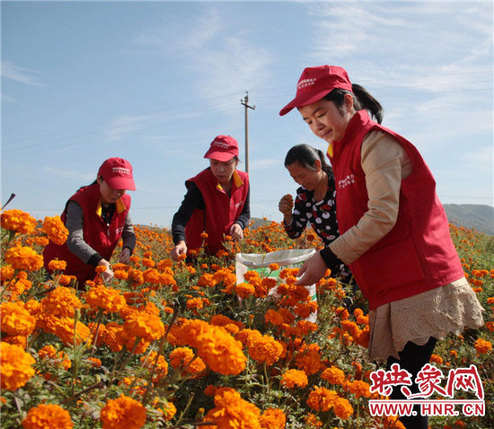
column 285, row 206
column 312, row 271
column 106, row 275
column 124, row 256
column 179, row 250
column 236, row 232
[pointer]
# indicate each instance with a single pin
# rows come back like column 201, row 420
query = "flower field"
column 181, row 345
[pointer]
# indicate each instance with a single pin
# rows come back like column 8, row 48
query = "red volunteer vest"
column 101, row 237
column 221, row 210
column 417, row 254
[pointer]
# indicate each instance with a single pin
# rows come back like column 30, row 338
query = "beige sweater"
column 385, row 164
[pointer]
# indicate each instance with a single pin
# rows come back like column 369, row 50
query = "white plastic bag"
column 289, row 258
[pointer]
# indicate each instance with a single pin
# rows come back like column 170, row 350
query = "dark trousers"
column 412, row 358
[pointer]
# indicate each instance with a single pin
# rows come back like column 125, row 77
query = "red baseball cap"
column 117, row 172
column 315, row 83
column 223, row 148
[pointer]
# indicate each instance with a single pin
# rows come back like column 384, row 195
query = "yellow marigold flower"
column 105, row 298
column 322, row 399
column 123, row 412
column 55, row 230
column 62, row 302
column 333, row 375
column 47, row 416
column 18, row 221
column 16, row 368
column 265, row 349
column 232, row 411
column 294, row 378
column 56, row 265
column 185, row 359
column 482, row 346
column 23, row 258
column 15, row 319
column 273, row 418
column 144, row 325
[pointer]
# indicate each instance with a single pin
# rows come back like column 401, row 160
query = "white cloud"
column 19, row 74
column 224, row 63
column 70, row 174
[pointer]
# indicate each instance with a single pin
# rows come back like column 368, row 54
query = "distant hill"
column 472, row 216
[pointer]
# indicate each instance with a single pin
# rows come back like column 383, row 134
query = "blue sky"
column 155, row 82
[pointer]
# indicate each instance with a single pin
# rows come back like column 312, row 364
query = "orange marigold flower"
column 18, row 221
column 105, row 298
column 342, row 312
column 482, row 346
column 204, row 235
column 294, row 378
column 312, row 420
column 66, row 329
column 322, row 399
column 232, row 411
column 273, row 418
column 123, row 412
column 94, row 361
column 144, row 325
column 55, row 230
column 359, row 388
column 309, row 359
column 168, row 410
column 273, row 317
column 184, row 358
column 15, row 319
column 489, row 326
column 195, row 303
column 274, row 267
column 16, row 368
column 156, row 363
column 265, row 349
column 436, row 359
column 6, row 273
column 23, row 258
column 245, row 290
column 333, row 375
column 342, row 408
column 47, row 416
column 62, row 302
column 57, row 265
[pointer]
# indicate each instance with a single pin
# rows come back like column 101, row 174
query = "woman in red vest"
column 216, row 203
column 394, row 230
column 97, row 216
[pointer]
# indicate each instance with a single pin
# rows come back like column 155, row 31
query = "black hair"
column 307, row 156
column 362, row 99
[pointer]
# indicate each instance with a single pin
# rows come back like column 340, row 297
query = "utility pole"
column 245, row 102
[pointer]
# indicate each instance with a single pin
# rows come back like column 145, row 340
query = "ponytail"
column 307, row 156
column 362, row 99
